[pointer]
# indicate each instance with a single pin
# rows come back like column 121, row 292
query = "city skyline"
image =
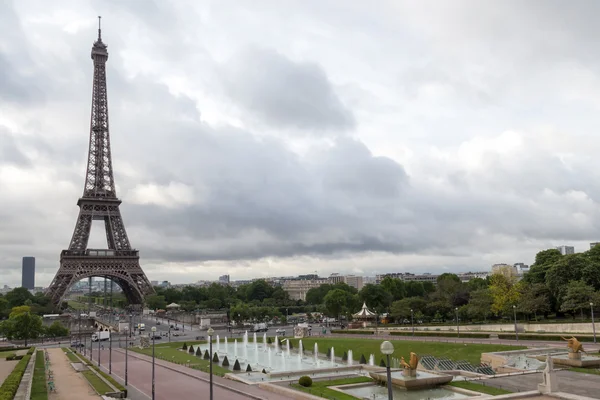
column 337, row 145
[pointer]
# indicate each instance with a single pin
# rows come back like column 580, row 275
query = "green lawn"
column 77, row 305
column 109, row 378
column 585, row 370
column 321, row 388
column 72, row 357
column 4, row 354
column 39, row 391
column 476, row 387
column 453, row 351
column 98, row 384
column 170, row 352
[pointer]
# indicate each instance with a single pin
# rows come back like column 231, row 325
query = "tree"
column 376, row 297
column 543, row 261
column 317, row 295
column 401, row 309
column 577, row 296
column 505, row 293
column 534, row 299
column 335, row 302
column 22, row 325
column 414, row 289
column 56, row 330
column 395, row 287
column 156, row 302
column 567, row 268
column 480, row 305
column 18, row 297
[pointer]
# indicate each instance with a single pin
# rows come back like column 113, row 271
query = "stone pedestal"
column 550, row 382
column 574, row 356
column 412, row 373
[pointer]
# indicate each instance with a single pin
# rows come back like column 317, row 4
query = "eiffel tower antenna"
column 99, row 27
column 118, row 261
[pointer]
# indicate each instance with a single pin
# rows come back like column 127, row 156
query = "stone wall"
column 575, row 327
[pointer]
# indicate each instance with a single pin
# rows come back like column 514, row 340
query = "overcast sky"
column 271, row 138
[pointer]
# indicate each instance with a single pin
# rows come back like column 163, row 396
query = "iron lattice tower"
column 119, row 262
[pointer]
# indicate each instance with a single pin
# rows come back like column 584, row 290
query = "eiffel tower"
column 119, row 262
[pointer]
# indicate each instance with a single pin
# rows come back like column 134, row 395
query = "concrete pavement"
column 176, row 381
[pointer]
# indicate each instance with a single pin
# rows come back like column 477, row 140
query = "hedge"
column 352, row 332
column 11, row 348
column 528, row 336
column 445, row 334
column 11, row 383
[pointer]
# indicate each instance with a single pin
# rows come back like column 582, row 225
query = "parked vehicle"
column 262, row 327
column 280, row 332
column 100, row 336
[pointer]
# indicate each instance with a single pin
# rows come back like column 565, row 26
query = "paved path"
column 6, row 368
column 70, row 384
column 170, row 384
column 568, row 381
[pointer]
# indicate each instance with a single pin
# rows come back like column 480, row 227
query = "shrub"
column 216, row 358
column 345, row 357
column 236, row 366
column 248, row 368
column 191, row 350
column 11, row 383
column 264, row 371
column 206, row 355
column 382, row 363
column 198, row 351
column 225, row 362
column 352, row 332
column 184, row 347
column 363, row 360
column 290, row 342
column 269, row 341
column 305, row 381
column 444, row 334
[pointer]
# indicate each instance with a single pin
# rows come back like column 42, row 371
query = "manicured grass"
column 75, row 358
column 321, row 388
column 98, row 384
column 77, row 305
column 585, row 370
column 453, row 351
column 72, row 357
column 39, row 391
column 476, row 387
column 4, row 354
column 170, row 352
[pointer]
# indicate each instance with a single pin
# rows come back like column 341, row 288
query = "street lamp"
column 387, row 348
column 153, row 338
column 515, row 314
column 457, row 323
column 99, row 349
column 126, row 347
column 593, row 324
column 412, row 321
column 210, row 334
column 109, row 351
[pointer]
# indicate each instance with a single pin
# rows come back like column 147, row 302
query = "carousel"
column 365, row 316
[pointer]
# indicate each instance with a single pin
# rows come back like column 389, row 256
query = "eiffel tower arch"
column 118, row 262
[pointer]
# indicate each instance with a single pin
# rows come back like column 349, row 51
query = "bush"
column 13, row 357
column 11, row 383
column 347, row 332
column 198, row 352
column 236, row 366
column 191, row 350
column 184, row 347
column 216, row 358
column 206, row 355
column 225, row 362
column 363, row 360
column 305, row 381
column 382, row 363
column 529, row 336
column 269, row 341
column 248, row 368
column 444, row 334
column 345, row 357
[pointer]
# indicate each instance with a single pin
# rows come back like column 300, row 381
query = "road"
column 176, row 382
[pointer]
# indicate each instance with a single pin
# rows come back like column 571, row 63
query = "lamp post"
column 412, row 321
column 109, row 352
column 98, row 350
column 130, row 324
column 153, row 336
column 457, row 323
column 515, row 314
column 593, row 324
column 387, row 348
column 210, row 334
column 126, row 347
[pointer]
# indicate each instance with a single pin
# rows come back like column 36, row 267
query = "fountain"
column 265, row 341
column 254, row 337
column 235, row 347
column 350, row 358
column 287, row 347
column 218, row 343
column 316, row 354
column 225, row 341
column 410, row 378
column 300, row 351
column 372, row 360
column 332, row 356
column 269, row 356
column 276, row 344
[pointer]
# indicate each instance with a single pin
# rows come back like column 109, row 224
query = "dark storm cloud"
column 285, row 93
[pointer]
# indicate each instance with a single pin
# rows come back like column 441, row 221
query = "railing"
column 100, row 253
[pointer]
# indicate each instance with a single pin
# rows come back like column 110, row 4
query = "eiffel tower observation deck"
column 119, row 262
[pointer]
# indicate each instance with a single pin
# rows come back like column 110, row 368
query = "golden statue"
column 574, row 345
column 414, row 361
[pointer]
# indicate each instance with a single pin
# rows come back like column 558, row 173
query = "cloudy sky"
column 271, row 138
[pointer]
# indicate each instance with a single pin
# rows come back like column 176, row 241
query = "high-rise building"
column 336, row 278
column 154, row 283
column 354, row 281
column 224, row 279
column 564, row 250
column 28, row 273
column 508, row 271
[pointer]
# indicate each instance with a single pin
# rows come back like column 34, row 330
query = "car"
column 176, row 328
column 157, row 322
column 172, row 326
column 280, row 332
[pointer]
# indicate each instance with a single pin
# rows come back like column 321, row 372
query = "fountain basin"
column 422, row 380
column 566, row 359
column 375, row 392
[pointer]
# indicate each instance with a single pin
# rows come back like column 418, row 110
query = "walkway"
column 175, row 381
column 70, row 384
column 568, row 381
